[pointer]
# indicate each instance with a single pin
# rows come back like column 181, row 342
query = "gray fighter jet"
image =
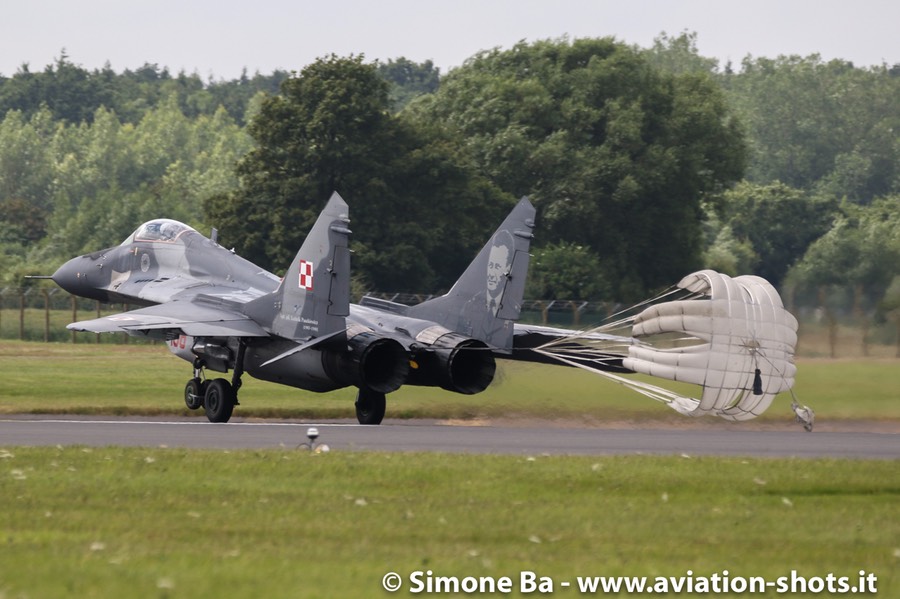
column 222, row 313
column 733, row 337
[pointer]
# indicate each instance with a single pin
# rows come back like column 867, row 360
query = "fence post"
column 898, row 337
column 74, row 313
column 21, row 315
column 46, row 295
column 545, row 312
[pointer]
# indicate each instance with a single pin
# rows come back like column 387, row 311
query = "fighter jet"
column 223, row 313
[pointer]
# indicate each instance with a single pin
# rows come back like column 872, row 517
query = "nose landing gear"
column 218, row 397
column 194, row 391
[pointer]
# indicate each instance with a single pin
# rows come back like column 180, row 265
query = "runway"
column 432, row 436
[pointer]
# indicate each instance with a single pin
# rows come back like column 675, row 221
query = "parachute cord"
column 666, row 293
column 680, row 403
column 612, row 325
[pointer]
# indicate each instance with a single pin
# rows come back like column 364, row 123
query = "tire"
column 219, row 401
column 370, row 407
column 193, row 394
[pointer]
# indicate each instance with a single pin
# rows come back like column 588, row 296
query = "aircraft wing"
column 189, row 318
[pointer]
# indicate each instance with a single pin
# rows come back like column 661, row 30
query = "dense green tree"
column 74, row 94
column 566, row 271
column 728, row 254
column 858, row 257
column 72, row 188
column 70, row 92
column 861, row 248
column 26, row 160
column 311, row 139
column 820, row 124
column 679, row 55
column 626, row 151
column 237, row 96
column 890, row 308
column 416, row 207
column 618, row 155
column 21, row 222
column 775, row 222
column 408, row 80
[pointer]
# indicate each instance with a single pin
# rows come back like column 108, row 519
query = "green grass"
column 170, row 522
column 123, row 379
column 164, row 522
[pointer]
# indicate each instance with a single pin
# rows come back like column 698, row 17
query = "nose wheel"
column 194, row 392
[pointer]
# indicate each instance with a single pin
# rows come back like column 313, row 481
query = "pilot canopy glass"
column 161, row 229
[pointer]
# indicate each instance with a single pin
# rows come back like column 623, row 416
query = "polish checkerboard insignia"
column 306, row 275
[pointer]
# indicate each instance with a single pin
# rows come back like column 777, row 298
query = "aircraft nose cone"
column 74, row 277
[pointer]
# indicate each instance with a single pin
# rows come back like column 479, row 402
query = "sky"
column 217, row 39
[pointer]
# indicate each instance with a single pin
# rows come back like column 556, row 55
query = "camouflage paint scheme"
column 221, row 312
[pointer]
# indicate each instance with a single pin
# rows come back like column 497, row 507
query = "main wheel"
column 370, row 407
column 193, row 394
column 219, row 400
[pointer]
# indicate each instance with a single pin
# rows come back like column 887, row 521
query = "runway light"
column 312, row 433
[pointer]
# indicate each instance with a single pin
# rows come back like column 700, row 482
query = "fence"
column 41, row 314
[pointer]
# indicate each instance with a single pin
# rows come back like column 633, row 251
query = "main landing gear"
column 217, row 397
column 370, row 406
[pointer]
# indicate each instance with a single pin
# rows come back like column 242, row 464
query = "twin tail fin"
column 487, row 299
column 313, row 299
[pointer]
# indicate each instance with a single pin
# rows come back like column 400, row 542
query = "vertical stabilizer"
column 487, row 299
column 314, row 296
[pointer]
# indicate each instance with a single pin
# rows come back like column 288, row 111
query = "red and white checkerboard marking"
column 306, row 275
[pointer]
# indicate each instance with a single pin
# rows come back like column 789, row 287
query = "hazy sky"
column 218, row 38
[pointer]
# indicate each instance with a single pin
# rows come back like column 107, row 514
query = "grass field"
column 119, row 379
column 156, row 522
column 176, row 523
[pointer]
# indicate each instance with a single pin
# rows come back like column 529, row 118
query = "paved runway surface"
column 419, row 436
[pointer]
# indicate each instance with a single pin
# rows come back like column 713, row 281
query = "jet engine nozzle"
column 456, row 363
column 372, row 362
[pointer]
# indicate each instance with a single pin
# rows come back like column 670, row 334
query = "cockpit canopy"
column 160, row 229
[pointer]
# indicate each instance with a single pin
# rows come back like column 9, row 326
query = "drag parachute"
column 731, row 336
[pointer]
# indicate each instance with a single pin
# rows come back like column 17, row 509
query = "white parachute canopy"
column 731, row 336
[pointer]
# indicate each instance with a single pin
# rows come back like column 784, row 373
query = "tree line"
column 644, row 163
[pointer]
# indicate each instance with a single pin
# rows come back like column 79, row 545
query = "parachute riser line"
column 652, row 391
